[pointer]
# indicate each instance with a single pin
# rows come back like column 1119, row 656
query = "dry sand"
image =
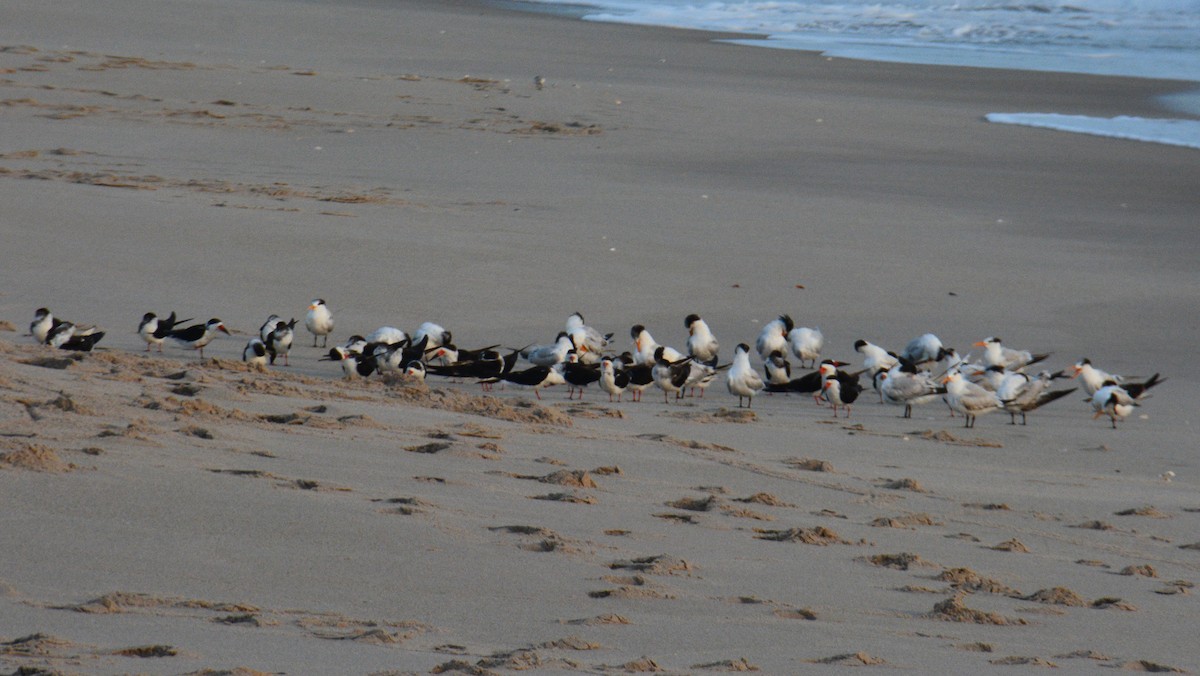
column 164, row 515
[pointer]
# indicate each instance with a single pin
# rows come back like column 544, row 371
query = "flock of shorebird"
column 924, row 371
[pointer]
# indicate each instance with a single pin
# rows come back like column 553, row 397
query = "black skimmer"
column 415, row 371
column 613, row 379
column 641, row 375
column 48, row 330
column 969, row 399
column 742, row 379
column 670, row 376
column 777, row 368
column 279, row 340
column 395, row 357
column 578, row 375
column 806, row 344
column 353, row 362
column 702, row 345
column 536, row 377
column 66, row 336
column 1115, row 401
column 589, row 342
column 839, row 388
column 319, row 321
column 255, row 352
column 774, row 336
column 154, row 329
column 995, row 354
column 268, row 327
column 198, row 335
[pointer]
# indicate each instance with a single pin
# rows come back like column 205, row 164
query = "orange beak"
column 981, row 344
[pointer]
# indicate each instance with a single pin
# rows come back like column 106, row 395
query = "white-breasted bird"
column 702, row 345
column 806, row 344
column 589, row 343
column 549, row 355
column 742, row 379
column 969, row 399
column 995, row 354
column 774, row 336
column 255, row 352
column 319, row 321
column 199, row 335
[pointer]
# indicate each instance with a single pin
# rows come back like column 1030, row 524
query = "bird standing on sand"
column 613, row 380
column 1022, row 394
column 742, row 379
column 969, row 399
column 670, row 376
column 995, row 354
column 549, row 355
column 154, row 330
column 774, row 336
column 319, row 321
column 279, row 341
column 806, row 344
column 702, row 345
column 589, row 343
column 198, row 335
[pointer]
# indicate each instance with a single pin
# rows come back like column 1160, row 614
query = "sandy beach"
column 164, row 514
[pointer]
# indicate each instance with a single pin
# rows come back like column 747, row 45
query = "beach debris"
column 953, row 610
column 858, row 659
column 809, row 464
column 740, row 664
column 1058, row 596
column 817, row 535
column 1144, row 570
column 1017, row 660
column 907, row 521
column 1013, row 545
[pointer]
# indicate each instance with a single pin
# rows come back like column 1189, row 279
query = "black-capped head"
column 636, row 330
column 690, row 319
column 859, row 345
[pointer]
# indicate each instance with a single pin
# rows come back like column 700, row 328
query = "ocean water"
column 1135, row 38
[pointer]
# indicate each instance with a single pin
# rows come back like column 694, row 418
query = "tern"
column 1113, row 401
column 644, row 347
column 388, row 335
column 199, row 335
column 995, row 354
column 924, row 349
column 549, row 355
column 875, row 358
column 968, row 398
column 438, row 336
column 774, row 336
column 1022, row 394
column 1093, row 378
column 806, row 344
column 907, row 387
column 742, row 379
column 702, row 345
column 319, row 321
column 589, row 342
